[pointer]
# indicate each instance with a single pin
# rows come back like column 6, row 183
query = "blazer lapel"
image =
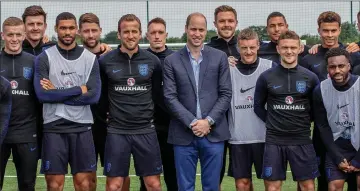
column 203, row 66
column 186, row 61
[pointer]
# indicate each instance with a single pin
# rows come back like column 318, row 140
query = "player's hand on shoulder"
column 105, row 47
column 232, row 61
column 314, row 49
column 352, row 47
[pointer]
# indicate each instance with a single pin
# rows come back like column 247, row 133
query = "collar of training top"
column 218, row 39
column 10, row 55
column 126, row 54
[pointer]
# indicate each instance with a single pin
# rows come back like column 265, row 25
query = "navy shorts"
column 61, row 149
column 302, row 160
column 144, row 148
column 242, row 158
column 332, row 170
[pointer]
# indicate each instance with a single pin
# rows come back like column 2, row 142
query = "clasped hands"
column 347, row 167
column 201, row 127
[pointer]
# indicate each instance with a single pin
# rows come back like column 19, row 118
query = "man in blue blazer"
column 197, row 90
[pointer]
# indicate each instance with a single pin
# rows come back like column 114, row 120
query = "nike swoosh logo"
column 66, row 73
column 33, row 149
column 2, row 71
column 276, row 87
column 316, row 65
column 116, row 71
column 245, row 90
column 93, row 165
column 339, row 107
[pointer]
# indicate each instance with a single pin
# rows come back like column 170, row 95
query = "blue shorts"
column 332, row 170
column 61, row 149
column 242, row 158
column 302, row 160
column 144, row 148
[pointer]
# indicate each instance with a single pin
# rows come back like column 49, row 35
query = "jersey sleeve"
column 260, row 97
column 54, row 95
column 323, row 126
column 94, row 89
column 5, row 107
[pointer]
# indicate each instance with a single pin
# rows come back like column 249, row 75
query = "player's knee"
column 85, row 184
column 243, row 184
column 335, row 185
column 153, row 185
column 309, row 186
column 54, row 185
column 113, row 187
column 273, row 187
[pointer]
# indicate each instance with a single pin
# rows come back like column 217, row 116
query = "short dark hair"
column 88, row 18
column 65, row 16
column 157, row 20
column 129, row 17
column 329, row 17
column 192, row 15
column 247, row 34
column 12, row 21
column 275, row 14
column 34, row 10
column 289, row 35
column 224, row 8
column 337, row 52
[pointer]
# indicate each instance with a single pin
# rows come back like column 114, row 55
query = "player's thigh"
column 146, row 153
column 303, row 162
column 54, row 154
column 257, row 150
column 25, row 157
column 117, row 155
column 82, row 152
column 240, row 166
column 333, row 173
column 275, row 163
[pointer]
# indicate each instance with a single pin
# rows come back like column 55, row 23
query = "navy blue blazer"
column 215, row 93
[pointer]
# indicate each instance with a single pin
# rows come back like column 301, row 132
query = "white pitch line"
column 101, row 176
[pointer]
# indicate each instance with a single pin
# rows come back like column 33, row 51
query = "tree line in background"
column 348, row 34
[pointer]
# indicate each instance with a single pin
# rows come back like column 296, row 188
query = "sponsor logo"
column 159, row 168
column 116, row 71
column 14, row 84
column 250, row 98
column 66, row 73
column 289, row 100
column 131, row 81
column 277, row 87
column 301, row 86
column 245, row 90
column 27, row 72
column 129, row 88
column 339, row 107
column 143, row 69
column 93, row 165
column 2, row 71
column 68, row 82
column 32, row 149
column 249, row 106
column 316, row 65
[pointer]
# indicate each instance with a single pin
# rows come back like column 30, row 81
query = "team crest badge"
column 27, row 72
column 268, row 171
column 301, row 86
column 143, row 69
column 14, row 84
